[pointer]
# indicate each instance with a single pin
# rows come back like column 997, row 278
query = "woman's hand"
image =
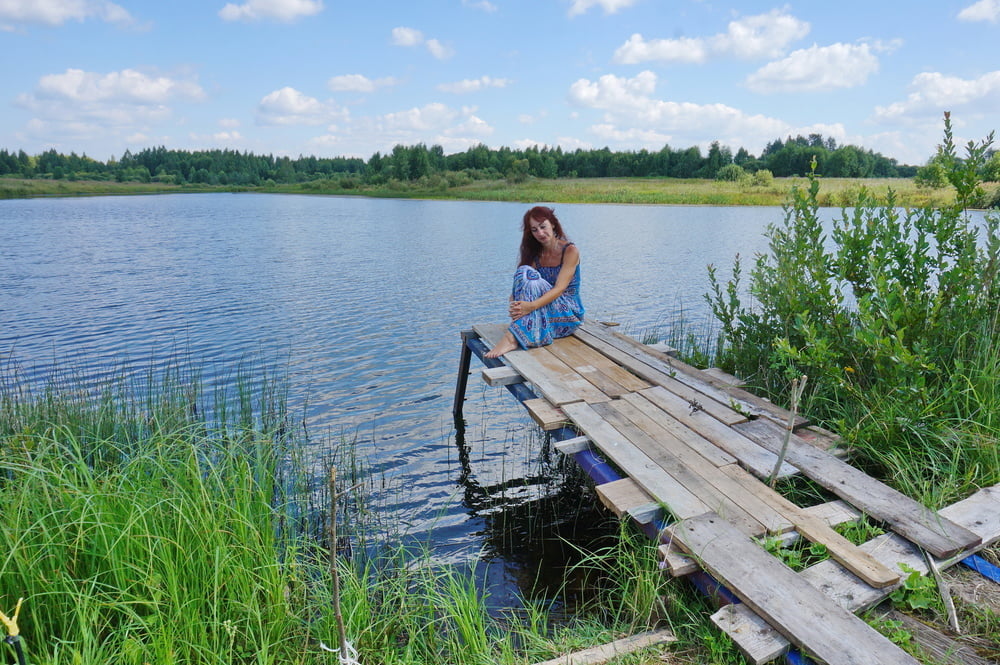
column 519, row 308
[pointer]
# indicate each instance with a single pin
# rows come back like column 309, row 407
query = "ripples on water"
column 360, row 302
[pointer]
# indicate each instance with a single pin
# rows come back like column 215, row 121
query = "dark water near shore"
column 360, row 302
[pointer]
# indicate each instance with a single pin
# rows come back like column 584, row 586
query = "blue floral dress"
column 559, row 318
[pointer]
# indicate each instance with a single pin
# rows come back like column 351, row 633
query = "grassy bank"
column 650, row 191
column 157, row 520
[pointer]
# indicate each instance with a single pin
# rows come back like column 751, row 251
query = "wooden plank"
column 749, row 403
column 719, row 410
column 797, row 609
column 606, row 652
column 528, row 367
column 654, row 480
column 572, row 446
column 980, row 513
column 748, row 453
column 694, row 441
column 741, row 400
column 501, row 376
column 846, row 553
column 547, row 416
column 625, row 498
column 724, row 377
column 832, row 512
column 619, row 414
column 566, row 376
column 935, row 533
column 609, row 376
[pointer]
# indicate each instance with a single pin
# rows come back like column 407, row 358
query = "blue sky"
column 330, row 78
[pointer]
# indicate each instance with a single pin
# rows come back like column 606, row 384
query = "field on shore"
column 649, row 191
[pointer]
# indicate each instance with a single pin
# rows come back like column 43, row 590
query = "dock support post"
column 463, row 374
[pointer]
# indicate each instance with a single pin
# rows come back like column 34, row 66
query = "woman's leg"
column 529, row 330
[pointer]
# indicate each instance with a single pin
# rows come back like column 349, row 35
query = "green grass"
column 649, row 191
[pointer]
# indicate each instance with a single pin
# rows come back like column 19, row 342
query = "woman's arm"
column 571, row 259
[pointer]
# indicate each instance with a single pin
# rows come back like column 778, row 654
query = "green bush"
column 730, row 173
column 888, row 316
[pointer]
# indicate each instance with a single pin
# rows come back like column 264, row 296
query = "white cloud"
column 57, row 12
column 409, row 37
column 229, row 123
column 439, row 50
column 984, row 10
column 609, row 6
column 685, row 50
column 645, row 137
column 473, row 85
column 278, row 10
column 288, row 106
column 932, row 93
column 630, row 109
column 817, row 68
column 125, row 87
column 483, row 5
column 357, row 83
column 753, row 37
column 435, row 116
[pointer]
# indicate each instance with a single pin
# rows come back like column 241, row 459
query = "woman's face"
column 541, row 230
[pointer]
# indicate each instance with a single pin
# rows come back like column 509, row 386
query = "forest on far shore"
column 780, row 158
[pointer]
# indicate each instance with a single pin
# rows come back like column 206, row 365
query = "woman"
column 545, row 301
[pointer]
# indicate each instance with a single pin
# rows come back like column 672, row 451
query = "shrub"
column 730, row 173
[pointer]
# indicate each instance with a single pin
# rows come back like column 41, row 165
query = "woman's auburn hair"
column 530, row 247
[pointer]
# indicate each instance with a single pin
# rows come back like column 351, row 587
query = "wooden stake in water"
column 344, row 650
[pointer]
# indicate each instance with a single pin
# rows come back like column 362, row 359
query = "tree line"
column 789, row 157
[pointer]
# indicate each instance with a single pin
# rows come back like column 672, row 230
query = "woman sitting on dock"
column 545, row 301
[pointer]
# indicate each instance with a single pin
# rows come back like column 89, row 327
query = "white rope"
column 352, row 654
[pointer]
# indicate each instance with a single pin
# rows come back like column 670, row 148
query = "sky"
column 330, row 78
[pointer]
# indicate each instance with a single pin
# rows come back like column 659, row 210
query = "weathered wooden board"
column 747, row 452
column 719, row 410
column 797, row 609
column 544, row 414
column 625, row 498
column 831, row 512
column 690, row 438
column 501, row 376
column 935, row 533
column 816, row 530
column 605, row 374
column 681, row 453
column 980, row 513
column 743, row 401
column 528, row 367
column 659, row 452
column 654, row 480
column 605, row 652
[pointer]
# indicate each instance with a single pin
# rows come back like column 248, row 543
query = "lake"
column 360, row 302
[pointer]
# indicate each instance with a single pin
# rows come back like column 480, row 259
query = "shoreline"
column 834, row 192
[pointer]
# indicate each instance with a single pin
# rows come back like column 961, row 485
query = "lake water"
column 361, row 303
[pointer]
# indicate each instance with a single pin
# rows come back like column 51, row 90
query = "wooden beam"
column 605, row 652
column 980, row 513
column 935, row 533
column 501, row 376
column 617, row 448
column 747, row 452
column 794, row 607
column 547, row 416
column 816, row 530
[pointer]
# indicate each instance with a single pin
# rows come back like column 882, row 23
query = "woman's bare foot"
column 508, row 343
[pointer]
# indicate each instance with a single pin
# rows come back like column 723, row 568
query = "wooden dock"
column 692, row 450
